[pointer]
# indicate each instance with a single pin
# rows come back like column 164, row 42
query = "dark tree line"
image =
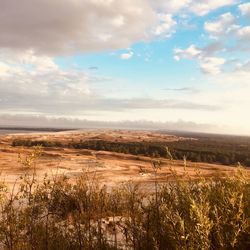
column 30, row 143
column 227, row 151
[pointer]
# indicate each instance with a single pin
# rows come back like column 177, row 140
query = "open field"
column 111, row 168
column 91, row 209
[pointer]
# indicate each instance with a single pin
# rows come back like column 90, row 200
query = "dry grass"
column 56, row 213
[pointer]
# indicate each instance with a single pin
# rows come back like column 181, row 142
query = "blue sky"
column 142, row 60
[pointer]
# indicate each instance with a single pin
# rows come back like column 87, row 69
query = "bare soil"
column 108, row 167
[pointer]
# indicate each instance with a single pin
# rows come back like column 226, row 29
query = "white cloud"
column 66, row 26
column 212, row 65
column 244, row 33
column 203, row 7
column 208, row 64
column 198, row 7
column 170, row 6
column 230, row 32
column 62, row 27
column 36, row 31
column 35, row 84
column 220, row 26
column 231, row 38
column 243, row 67
column 26, row 78
column 4, row 68
column 190, row 53
column 127, row 55
column 245, row 9
column 165, row 28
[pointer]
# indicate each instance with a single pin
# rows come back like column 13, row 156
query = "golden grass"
column 56, row 213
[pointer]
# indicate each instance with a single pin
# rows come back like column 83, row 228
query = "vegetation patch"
column 222, row 150
column 183, row 214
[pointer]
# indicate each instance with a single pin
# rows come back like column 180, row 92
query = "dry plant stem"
column 57, row 213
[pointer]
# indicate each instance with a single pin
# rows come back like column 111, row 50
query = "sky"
column 176, row 64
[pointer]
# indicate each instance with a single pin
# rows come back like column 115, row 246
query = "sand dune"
column 109, row 167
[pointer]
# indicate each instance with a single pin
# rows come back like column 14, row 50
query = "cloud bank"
column 61, row 122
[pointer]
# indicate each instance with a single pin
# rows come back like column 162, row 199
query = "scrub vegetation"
column 226, row 150
column 58, row 213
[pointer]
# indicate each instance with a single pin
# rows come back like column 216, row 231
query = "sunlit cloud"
column 126, row 59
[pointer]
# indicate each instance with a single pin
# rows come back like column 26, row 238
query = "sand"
column 108, row 167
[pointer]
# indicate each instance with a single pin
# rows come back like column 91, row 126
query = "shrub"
column 182, row 214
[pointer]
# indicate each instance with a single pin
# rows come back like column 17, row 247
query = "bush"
column 183, row 214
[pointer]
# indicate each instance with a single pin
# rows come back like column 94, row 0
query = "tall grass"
column 183, row 214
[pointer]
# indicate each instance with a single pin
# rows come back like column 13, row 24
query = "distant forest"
column 227, row 150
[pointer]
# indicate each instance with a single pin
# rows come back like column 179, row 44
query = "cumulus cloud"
column 4, row 68
column 212, row 65
column 245, row 9
column 62, row 27
column 127, row 55
column 228, row 30
column 27, row 79
column 207, row 63
column 213, row 48
column 198, row 7
column 244, row 33
column 226, row 36
column 203, row 7
column 243, row 67
column 166, row 25
column 190, row 53
column 66, row 26
column 170, row 6
column 220, row 26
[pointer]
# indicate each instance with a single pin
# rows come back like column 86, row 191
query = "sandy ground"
column 108, row 167
column 100, row 134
